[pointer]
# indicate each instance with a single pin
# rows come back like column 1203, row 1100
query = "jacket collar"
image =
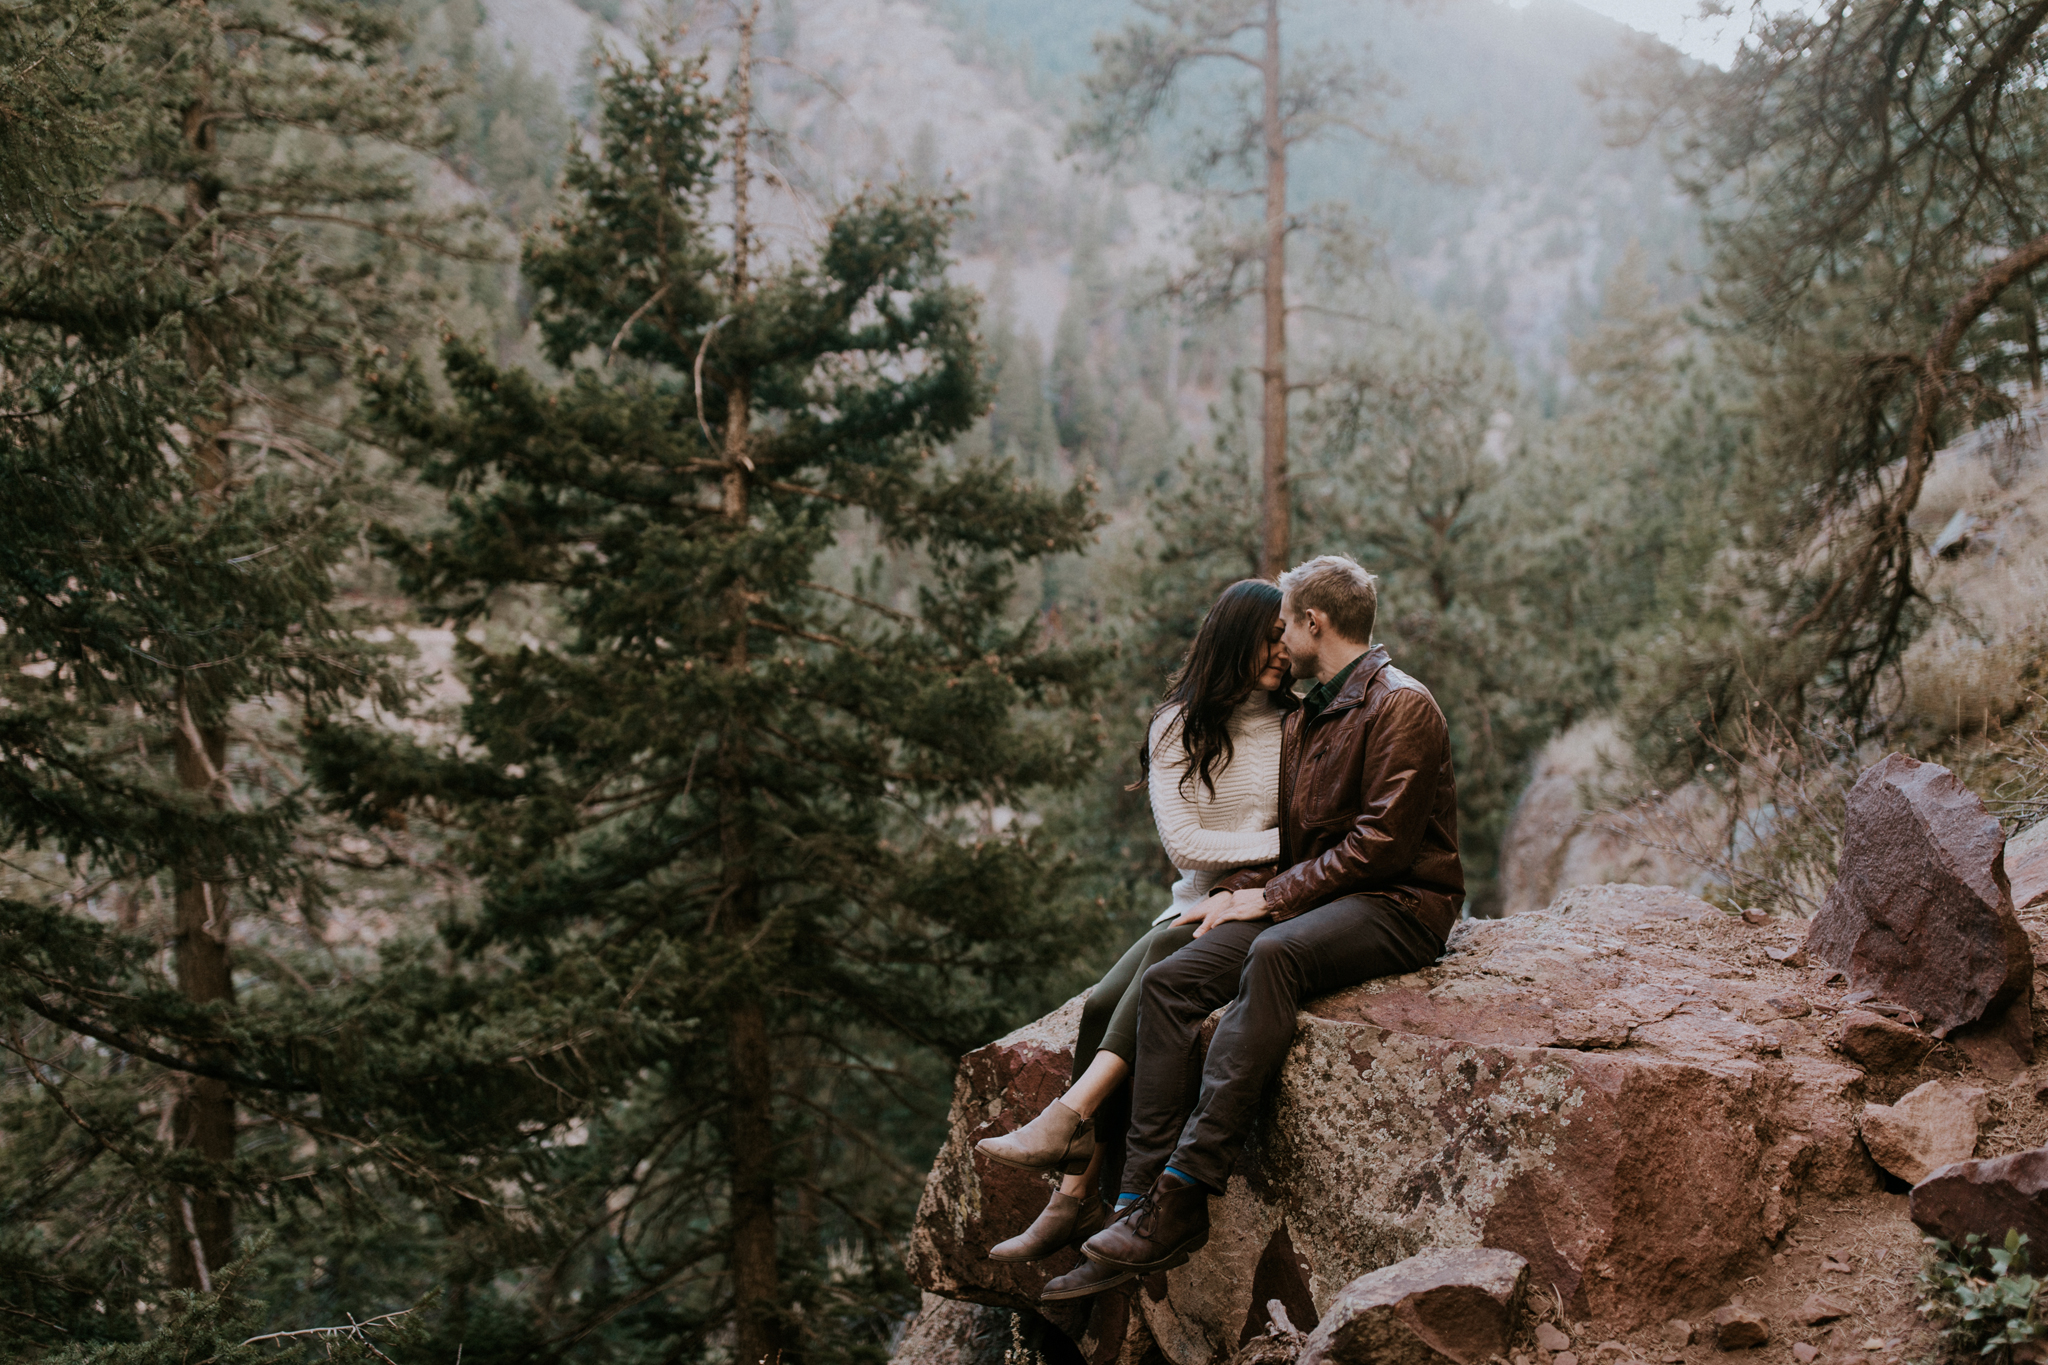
column 1367, row 668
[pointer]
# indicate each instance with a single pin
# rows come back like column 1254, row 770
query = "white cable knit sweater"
column 1206, row 836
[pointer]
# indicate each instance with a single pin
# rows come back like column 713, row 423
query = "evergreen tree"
column 787, row 813
column 1021, row 423
column 1078, row 408
column 1873, row 184
column 170, row 336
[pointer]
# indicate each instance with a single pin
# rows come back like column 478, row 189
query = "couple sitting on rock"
column 1317, row 844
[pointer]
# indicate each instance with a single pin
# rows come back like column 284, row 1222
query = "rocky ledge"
column 1629, row 1089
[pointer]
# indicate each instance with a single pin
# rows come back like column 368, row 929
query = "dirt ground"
column 1861, row 1254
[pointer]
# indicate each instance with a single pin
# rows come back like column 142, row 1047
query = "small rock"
column 1755, row 917
column 1817, row 1310
column 1787, row 957
column 1610, row 1348
column 1738, row 1327
column 1927, row 1129
column 1987, row 1198
column 1836, row 1262
column 1550, row 1339
column 2026, row 863
column 1876, row 1043
column 1805, row 1352
column 1678, row 1332
column 1459, row 1307
column 1922, row 915
column 1873, row 1343
column 1564, row 1358
column 1789, row 1006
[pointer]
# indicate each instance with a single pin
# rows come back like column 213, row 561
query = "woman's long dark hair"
column 1221, row 669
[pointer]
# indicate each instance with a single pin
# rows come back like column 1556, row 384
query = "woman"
column 1212, row 767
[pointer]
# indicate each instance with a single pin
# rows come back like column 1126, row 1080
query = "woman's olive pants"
column 1109, row 1023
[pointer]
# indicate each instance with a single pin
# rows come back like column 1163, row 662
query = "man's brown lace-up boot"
column 1084, row 1281
column 1170, row 1224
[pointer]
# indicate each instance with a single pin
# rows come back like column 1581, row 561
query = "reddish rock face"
column 1582, row 1086
column 971, row 1203
column 1922, row 914
column 1439, row 1308
column 1988, row 1198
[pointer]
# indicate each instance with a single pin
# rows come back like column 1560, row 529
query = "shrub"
column 1984, row 1297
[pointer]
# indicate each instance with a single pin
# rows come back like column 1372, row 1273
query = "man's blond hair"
column 1339, row 587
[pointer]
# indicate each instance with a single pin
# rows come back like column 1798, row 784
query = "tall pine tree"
column 793, row 816
column 206, row 209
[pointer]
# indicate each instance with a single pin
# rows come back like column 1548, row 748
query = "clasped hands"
column 1226, row 906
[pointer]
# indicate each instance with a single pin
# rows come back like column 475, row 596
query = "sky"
column 1678, row 23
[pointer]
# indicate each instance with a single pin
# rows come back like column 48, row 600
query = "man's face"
column 1301, row 636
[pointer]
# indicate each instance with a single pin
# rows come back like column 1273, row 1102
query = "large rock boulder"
column 1534, row 1092
column 1439, row 1308
column 1928, row 1128
column 1922, row 913
column 1989, row 1198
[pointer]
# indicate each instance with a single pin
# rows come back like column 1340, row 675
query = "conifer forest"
column 581, row 583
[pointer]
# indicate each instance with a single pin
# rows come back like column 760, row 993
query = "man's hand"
column 1225, row 907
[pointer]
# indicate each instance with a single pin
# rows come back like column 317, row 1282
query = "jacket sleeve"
column 1178, row 819
column 1246, row 878
column 1403, row 762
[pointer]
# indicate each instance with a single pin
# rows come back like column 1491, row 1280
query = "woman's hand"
column 1225, row 907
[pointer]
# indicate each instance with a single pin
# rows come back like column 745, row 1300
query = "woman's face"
column 1272, row 659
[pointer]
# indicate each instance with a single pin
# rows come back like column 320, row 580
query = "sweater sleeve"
column 1178, row 817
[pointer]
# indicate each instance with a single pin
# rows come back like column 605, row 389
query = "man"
column 1371, row 887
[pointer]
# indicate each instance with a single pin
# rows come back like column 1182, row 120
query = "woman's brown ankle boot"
column 1057, row 1140
column 1067, row 1221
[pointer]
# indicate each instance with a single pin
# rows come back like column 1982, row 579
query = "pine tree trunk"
column 756, row 1282
column 1274, row 521
column 203, row 1112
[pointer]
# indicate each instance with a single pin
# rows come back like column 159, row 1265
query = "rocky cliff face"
column 1625, row 1088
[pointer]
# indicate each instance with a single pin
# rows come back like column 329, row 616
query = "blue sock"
column 1183, row 1175
column 1125, row 1200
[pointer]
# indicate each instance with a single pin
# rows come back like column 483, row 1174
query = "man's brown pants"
column 1263, row 971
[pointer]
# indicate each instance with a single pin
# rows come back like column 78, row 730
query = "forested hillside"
column 581, row 586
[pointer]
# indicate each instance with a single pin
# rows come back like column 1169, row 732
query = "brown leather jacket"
column 1367, row 803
